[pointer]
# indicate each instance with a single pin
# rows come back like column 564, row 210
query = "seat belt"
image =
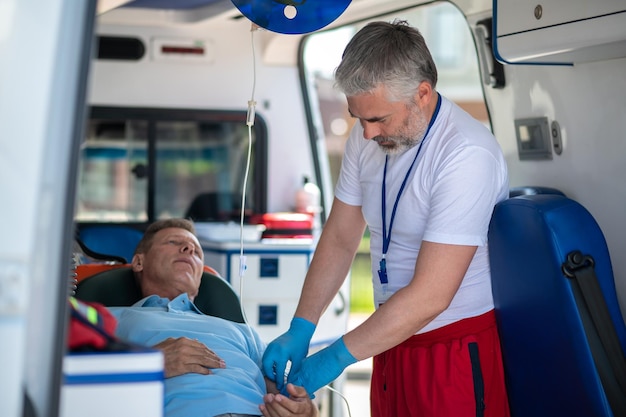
column 581, row 268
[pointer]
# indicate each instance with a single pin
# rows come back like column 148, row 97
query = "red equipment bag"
column 92, row 327
column 285, row 225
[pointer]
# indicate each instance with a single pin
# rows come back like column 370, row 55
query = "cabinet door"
column 559, row 31
column 271, row 275
column 514, row 16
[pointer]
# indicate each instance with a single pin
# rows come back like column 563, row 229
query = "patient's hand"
column 277, row 405
column 184, row 356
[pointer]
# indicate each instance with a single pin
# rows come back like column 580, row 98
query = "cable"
column 345, row 400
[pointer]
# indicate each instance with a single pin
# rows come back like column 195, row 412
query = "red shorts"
column 453, row 371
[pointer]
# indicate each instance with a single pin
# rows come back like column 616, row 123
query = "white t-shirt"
column 459, row 176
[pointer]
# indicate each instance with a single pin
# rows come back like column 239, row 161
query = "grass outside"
column 361, row 293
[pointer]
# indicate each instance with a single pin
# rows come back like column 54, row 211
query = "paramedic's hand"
column 291, row 346
column 184, row 356
column 322, row 367
column 297, row 404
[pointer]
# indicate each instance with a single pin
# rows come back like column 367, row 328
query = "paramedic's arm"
column 333, row 257
column 184, row 356
column 297, row 404
column 439, row 270
column 330, row 265
column 438, row 274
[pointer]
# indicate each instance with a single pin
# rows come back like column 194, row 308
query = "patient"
column 211, row 364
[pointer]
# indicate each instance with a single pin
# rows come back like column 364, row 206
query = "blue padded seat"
column 548, row 362
column 114, row 240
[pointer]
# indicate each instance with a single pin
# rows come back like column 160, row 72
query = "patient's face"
column 173, row 264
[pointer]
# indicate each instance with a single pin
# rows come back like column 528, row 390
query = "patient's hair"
column 146, row 241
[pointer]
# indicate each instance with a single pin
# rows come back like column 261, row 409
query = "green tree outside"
column 361, row 293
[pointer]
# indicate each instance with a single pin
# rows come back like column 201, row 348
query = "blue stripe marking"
column 113, row 378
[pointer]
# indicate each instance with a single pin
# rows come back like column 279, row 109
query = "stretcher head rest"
column 116, row 287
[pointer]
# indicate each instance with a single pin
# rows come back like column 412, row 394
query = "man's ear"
column 423, row 94
column 137, row 262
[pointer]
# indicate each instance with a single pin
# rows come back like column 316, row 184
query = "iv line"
column 242, row 259
column 249, row 123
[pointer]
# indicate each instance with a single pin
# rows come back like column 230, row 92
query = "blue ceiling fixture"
column 281, row 16
column 292, row 16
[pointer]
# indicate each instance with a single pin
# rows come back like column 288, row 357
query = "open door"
column 45, row 50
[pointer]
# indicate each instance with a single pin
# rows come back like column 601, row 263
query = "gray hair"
column 394, row 55
column 145, row 243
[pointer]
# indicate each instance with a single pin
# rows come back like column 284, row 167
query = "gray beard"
column 405, row 140
column 400, row 144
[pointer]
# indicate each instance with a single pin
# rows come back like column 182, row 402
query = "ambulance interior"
column 139, row 110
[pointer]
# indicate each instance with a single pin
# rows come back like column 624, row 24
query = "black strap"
column 581, row 268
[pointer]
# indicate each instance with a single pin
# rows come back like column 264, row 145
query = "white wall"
column 588, row 100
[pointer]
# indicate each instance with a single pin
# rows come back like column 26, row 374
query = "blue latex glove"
column 292, row 345
column 322, row 367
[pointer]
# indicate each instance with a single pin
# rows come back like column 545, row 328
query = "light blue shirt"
column 239, row 388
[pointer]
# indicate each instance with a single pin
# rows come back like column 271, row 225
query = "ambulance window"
column 112, row 179
column 155, row 163
column 449, row 39
column 195, row 158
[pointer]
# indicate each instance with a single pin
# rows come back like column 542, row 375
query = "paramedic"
column 168, row 264
column 424, row 177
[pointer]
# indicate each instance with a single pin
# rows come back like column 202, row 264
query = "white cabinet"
column 125, row 383
column 559, row 31
column 271, row 284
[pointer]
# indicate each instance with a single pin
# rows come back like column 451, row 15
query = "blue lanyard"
column 382, row 272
